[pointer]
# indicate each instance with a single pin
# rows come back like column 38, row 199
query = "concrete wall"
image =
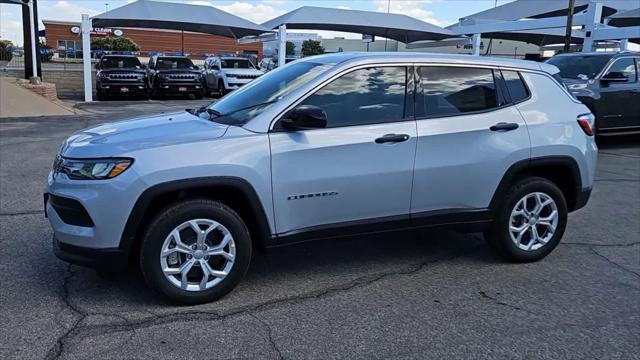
column 69, row 83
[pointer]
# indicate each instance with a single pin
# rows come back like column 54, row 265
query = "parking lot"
column 414, row 295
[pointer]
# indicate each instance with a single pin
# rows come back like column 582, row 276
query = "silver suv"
column 324, row 147
column 225, row 74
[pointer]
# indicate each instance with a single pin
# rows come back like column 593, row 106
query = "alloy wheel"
column 533, row 221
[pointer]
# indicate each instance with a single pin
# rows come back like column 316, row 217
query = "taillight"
column 586, row 122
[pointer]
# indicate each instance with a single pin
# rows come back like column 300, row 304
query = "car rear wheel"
column 195, row 252
column 531, row 221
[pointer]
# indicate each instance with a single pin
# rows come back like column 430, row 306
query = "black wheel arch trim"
column 527, row 164
column 144, row 201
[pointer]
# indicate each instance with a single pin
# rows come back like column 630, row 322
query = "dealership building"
column 64, row 37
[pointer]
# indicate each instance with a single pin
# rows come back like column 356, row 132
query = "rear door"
column 346, row 177
column 618, row 104
column 469, row 134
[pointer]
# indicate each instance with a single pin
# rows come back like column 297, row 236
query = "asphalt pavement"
column 404, row 296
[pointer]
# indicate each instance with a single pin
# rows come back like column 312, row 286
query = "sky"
column 437, row 12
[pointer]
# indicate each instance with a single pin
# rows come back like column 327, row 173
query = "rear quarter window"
column 516, row 86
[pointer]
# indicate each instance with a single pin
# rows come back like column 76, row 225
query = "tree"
column 114, row 44
column 6, row 46
column 291, row 48
column 312, row 47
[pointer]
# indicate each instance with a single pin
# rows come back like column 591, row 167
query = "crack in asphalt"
column 499, row 302
column 79, row 331
column 616, row 180
column 621, row 155
column 56, row 351
column 273, row 343
column 600, row 245
column 18, row 213
column 619, row 266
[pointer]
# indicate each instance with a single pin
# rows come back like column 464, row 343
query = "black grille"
column 123, row 76
column 70, row 211
column 182, row 77
column 245, row 76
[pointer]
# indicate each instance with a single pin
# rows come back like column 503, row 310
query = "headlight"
column 91, row 169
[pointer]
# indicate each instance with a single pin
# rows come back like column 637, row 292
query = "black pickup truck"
column 120, row 75
column 174, row 75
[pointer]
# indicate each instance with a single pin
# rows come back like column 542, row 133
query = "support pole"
column 282, row 44
column 475, row 44
column 85, row 28
column 624, row 44
column 34, row 38
column 567, row 35
column 594, row 16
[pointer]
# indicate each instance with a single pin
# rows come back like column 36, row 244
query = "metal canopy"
column 626, row 18
column 393, row 26
column 166, row 15
column 536, row 37
column 536, row 9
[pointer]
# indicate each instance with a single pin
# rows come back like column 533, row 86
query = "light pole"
column 567, row 36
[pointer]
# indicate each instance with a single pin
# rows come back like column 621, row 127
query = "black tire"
column 222, row 91
column 499, row 237
column 177, row 214
column 199, row 95
column 100, row 96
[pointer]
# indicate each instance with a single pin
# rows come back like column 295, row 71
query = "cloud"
column 63, row 10
column 411, row 8
column 258, row 12
column 10, row 28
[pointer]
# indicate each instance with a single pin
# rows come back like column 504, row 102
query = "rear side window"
column 364, row 96
column 456, row 90
column 623, row 69
column 517, row 90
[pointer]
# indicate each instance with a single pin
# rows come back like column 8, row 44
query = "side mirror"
column 304, row 117
column 144, row 67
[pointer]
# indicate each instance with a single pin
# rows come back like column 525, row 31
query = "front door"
column 619, row 96
column 346, row 178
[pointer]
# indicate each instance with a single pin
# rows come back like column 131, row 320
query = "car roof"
column 116, row 55
column 601, row 53
column 442, row 58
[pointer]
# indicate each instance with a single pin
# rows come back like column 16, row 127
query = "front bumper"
column 179, row 88
column 111, row 258
column 122, row 88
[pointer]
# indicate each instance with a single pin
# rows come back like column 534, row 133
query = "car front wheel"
column 195, row 252
column 531, row 221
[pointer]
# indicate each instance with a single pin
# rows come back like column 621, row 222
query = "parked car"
column 174, row 75
column 329, row 146
column 608, row 83
column 121, row 75
column 268, row 64
column 225, row 74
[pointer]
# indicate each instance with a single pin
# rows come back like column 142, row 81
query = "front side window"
column 364, row 96
column 517, row 90
column 456, row 90
column 623, row 69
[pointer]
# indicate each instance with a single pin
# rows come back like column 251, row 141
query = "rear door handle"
column 503, row 126
column 392, row 138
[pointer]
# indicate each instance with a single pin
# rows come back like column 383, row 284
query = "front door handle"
column 503, row 126
column 392, row 138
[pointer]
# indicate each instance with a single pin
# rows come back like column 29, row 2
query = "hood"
column 123, row 70
column 120, row 138
column 179, row 71
column 242, row 71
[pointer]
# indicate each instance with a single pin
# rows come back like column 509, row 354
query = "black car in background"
column 120, row 75
column 608, row 84
column 174, row 75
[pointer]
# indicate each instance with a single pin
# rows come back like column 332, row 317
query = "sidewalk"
column 16, row 101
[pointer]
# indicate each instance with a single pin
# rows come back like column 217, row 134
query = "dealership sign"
column 99, row 31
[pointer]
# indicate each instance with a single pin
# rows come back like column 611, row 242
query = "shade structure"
column 393, row 26
column 174, row 16
column 538, row 37
column 626, row 18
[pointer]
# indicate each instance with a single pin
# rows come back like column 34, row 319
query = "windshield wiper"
column 244, row 108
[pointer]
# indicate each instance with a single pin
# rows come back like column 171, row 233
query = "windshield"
column 580, row 67
column 174, row 63
column 236, row 64
column 119, row 62
column 255, row 97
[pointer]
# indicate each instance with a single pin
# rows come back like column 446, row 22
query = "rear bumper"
column 113, row 258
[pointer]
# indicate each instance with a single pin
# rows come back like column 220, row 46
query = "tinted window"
column 365, row 96
column 624, row 68
column 174, row 63
column 580, row 66
column 515, row 86
column 119, row 62
column 235, row 64
column 456, row 90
